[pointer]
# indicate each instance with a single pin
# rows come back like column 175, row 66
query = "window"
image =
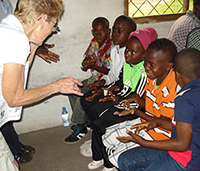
column 144, row 11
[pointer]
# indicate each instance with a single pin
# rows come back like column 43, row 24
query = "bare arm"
column 103, row 70
column 15, row 94
column 44, row 53
column 180, row 143
column 32, row 54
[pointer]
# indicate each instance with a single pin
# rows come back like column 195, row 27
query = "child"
column 122, row 28
column 160, row 91
column 97, row 59
column 131, row 80
column 116, row 59
column 184, row 146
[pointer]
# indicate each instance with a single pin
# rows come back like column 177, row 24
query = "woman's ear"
column 42, row 19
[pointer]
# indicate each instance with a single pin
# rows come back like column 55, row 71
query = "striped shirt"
column 160, row 102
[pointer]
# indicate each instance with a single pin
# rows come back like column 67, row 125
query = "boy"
column 183, row 147
column 97, row 59
column 122, row 27
column 158, row 99
column 131, row 80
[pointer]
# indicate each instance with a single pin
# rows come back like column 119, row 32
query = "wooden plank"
column 157, row 18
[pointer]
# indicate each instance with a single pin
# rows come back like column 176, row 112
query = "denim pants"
column 147, row 159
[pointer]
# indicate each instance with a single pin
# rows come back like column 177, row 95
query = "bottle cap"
column 63, row 108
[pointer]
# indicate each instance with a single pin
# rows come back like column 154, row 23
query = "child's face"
column 134, row 51
column 120, row 33
column 156, row 65
column 100, row 32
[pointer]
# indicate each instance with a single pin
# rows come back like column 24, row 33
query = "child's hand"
column 109, row 95
column 90, row 62
column 132, row 138
column 47, row 55
column 113, row 88
column 87, row 63
column 108, row 98
column 145, row 126
column 126, row 112
column 96, row 84
column 84, row 65
column 134, row 98
column 96, row 93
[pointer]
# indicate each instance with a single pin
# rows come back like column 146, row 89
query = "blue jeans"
column 141, row 158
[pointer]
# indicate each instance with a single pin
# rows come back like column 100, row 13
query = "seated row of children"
column 140, row 87
column 108, row 56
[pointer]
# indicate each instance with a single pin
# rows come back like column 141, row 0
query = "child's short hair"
column 187, row 62
column 101, row 19
column 165, row 45
column 129, row 20
column 27, row 11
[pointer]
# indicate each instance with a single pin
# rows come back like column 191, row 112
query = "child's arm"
column 180, row 143
column 163, row 123
column 140, row 101
column 102, row 69
column 47, row 55
column 89, row 63
column 95, row 94
column 96, row 84
column 109, row 96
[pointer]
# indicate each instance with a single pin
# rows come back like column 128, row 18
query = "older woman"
column 21, row 34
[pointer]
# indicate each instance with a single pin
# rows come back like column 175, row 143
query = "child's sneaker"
column 95, row 164
column 109, row 169
column 86, row 144
column 89, row 124
column 74, row 127
column 86, row 152
column 76, row 135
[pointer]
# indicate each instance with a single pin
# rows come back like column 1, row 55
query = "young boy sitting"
column 97, row 59
column 131, row 80
column 122, row 28
column 158, row 99
column 182, row 151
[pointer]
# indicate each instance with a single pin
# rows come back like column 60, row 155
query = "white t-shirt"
column 14, row 48
column 117, row 61
column 5, row 8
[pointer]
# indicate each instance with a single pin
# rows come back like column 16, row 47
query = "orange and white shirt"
column 160, row 102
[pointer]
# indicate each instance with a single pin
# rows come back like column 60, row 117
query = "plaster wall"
column 70, row 45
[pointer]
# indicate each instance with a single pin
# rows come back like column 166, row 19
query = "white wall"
column 70, row 45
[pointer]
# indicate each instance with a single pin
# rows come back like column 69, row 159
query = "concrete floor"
column 52, row 153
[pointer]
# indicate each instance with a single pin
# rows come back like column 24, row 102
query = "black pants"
column 11, row 137
column 94, row 108
column 102, row 116
column 99, row 128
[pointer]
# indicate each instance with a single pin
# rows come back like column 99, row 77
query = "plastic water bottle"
column 65, row 117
